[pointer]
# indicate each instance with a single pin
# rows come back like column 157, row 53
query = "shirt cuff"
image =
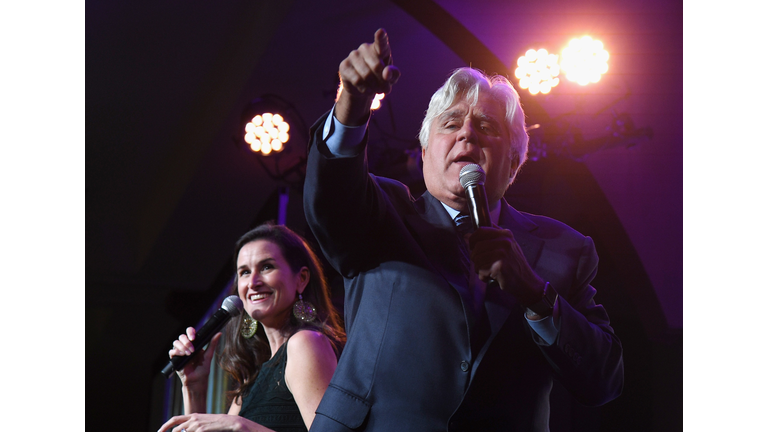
column 343, row 141
column 546, row 327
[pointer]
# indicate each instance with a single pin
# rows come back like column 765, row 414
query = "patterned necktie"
column 463, row 227
column 463, row 223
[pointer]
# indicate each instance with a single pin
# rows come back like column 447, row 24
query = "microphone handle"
column 202, row 337
column 478, row 209
column 478, row 205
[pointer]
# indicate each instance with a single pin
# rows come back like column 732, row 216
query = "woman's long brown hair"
column 242, row 358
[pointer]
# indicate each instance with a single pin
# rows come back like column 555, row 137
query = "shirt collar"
column 495, row 210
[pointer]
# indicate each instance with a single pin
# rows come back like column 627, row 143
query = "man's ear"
column 514, row 166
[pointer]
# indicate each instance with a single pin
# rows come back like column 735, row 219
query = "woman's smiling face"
column 266, row 283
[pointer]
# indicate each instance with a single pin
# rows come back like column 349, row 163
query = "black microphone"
column 472, row 179
column 231, row 306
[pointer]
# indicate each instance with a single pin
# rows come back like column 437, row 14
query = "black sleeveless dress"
column 268, row 402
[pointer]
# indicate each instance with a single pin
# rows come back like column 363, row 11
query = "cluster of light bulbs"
column 537, row 71
column 583, row 61
column 267, row 133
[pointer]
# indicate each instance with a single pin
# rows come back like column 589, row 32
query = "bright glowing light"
column 376, row 104
column 276, row 145
column 584, row 60
column 537, row 71
column 267, row 132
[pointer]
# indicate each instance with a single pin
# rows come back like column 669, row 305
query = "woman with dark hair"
column 282, row 350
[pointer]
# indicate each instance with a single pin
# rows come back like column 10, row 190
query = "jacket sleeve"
column 587, row 355
column 342, row 203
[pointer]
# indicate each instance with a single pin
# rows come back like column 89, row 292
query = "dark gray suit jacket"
column 408, row 364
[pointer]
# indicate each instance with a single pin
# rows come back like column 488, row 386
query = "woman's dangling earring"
column 249, row 326
column 304, row 311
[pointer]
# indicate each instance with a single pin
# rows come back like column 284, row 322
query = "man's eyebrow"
column 459, row 113
column 486, row 117
column 456, row 113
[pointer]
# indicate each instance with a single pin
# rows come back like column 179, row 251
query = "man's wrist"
column 353, row 110
column 544, row 306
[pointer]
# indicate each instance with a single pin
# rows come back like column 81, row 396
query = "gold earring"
column 304, row 311
column 249, row 327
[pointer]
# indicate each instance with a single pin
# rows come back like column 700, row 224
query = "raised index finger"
column 381, row 43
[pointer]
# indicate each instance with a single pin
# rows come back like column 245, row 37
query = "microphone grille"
column 471, row 174
column 232, row 304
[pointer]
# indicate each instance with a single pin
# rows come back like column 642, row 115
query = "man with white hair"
column 447, row 330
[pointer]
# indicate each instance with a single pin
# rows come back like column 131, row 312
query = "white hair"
column 466, row 84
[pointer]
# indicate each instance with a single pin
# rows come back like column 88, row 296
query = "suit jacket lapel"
column 434, row 230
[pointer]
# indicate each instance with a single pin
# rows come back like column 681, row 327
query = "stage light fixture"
column 268, row 125
column 267, row 132
column 537, row 71
column 584, row 60
column 376, row 104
